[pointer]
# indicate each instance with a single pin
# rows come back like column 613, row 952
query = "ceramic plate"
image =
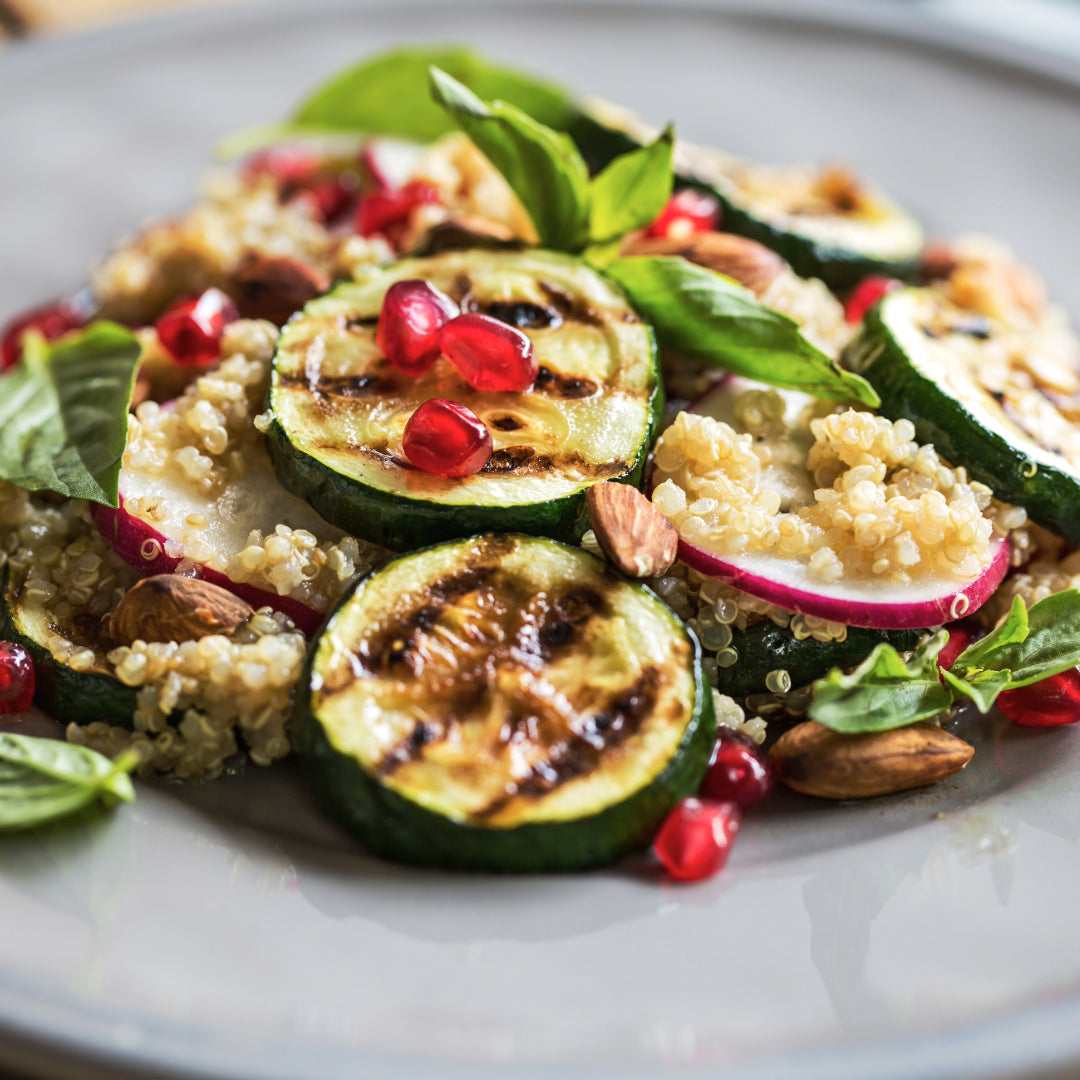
column 227, row 931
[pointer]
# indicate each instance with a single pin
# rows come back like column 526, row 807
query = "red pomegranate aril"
column 50, row 320
column 687, row 212
column 413, row 314
column 288, row 165
column 1047, row 703
column 190, row 331
column 696, row 837
column 331, row 198
column 387, row 211
column 737, row 771
column 16, row 678
column 446, row 438
column 866, row 294
column 489, row 354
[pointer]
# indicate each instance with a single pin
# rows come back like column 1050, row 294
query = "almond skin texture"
column 169, row 607
column 631, row 531
column 748, row 262
column 814, row 760
column 273, row 288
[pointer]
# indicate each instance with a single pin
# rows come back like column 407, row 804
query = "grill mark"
column 367, row 385
column 524, row 315
column 609, row 727
column 361, row 322
column 506, row 423
column 571, row 308
column 571, row 387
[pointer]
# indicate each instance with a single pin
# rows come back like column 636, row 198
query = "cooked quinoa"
column 871, row 501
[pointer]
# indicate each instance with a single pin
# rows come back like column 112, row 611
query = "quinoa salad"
column 551, row 487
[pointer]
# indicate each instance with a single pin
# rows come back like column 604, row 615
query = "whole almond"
column 273, row 288
column 631, row 531
column 817, row 761
column 748, row 262
column 169, row 607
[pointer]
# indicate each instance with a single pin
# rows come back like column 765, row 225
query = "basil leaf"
column 64, row 413
column 45, row 779
column 632, row 190
column 542, row 166
column 1051, row 645
column 982, row 687
column 883, row 692
column 709, row 317
column 1013, row 630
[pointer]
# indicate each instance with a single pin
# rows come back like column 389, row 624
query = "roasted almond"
column 631, row 531
column 169, row 607
column 748, row 262
column 273, row 288
column 818, row 761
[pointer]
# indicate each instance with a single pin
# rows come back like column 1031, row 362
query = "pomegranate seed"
column 190, row 330
column 16, row 678
column 695, row 838
column 737, row 771
column 413, row 313
column 332, row 199
column 1047, row 703
column 687, row 212
column 50, row 320
column 286, row 164
column 866, row 294
column 387, row 210
column 489, row 354
column 446, row 438
column 958, row 641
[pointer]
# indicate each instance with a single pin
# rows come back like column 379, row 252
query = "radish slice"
column 869, row 600
column 258, row 501
column 880, row 605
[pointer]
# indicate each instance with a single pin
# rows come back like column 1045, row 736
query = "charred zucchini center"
column 504, row 680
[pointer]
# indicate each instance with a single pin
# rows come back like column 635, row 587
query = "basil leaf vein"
column 45, row 779
column 704, row 315
column 64, row 413
column 542, row 166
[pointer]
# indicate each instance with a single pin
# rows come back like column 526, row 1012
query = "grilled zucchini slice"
column 80, row 697
column 823, row 222
column 504, row 702
column 985, row 397
column 340, row 407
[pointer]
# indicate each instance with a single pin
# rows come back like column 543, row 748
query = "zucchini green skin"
column 78, row 697
column 397, row 828
column 1051, row 495
column 768, row 647
column 840, row 268
column 400, row 523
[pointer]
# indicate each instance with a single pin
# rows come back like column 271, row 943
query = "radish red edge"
column 127, row 536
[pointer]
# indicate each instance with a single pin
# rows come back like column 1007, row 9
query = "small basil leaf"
column 632, row 190
column 709, row 317
column 1012, row 631
column 883, row 692
column 1052, row 643
column 64, row 413
column 542, row 166
column 982, row 687
column 45, row 779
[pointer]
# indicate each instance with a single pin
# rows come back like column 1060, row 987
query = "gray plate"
column 227, row 931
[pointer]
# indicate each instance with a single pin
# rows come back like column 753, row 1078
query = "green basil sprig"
column 885, row 691
column 45, row 779
column 550, row 178
column 388, row 94
column 709, row 317
column 64, row 412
